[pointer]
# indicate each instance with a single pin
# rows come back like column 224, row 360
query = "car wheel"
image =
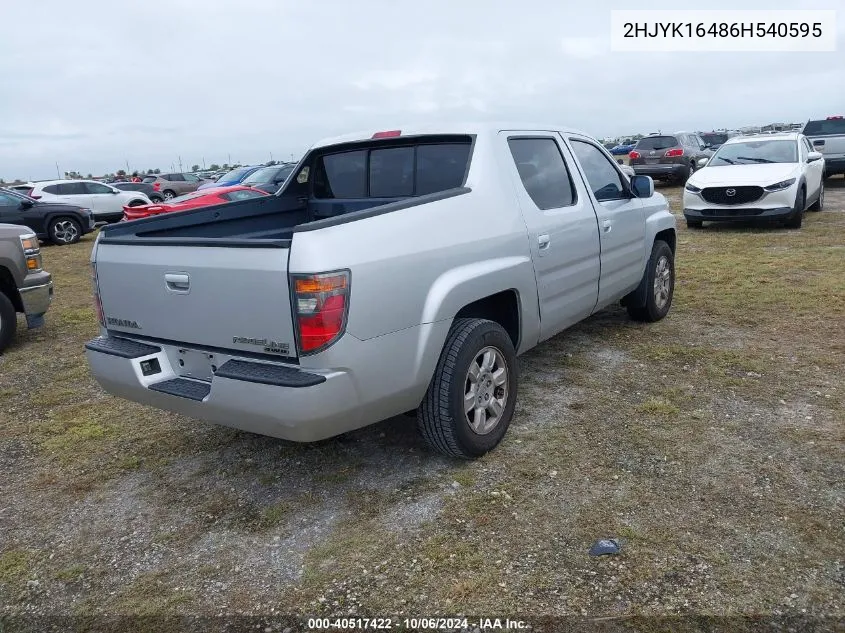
column 8, row 321
column 470, row 401
column 156, row 199
column 694, row 224
column 818, row 205
column 660, row 285
column 168, row 195
column 794, row 222
column 64, row 231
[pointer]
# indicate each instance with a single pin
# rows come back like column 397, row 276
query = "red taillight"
column 320, row 306
column 156, row 186
column 98, row 305
column 634, row 155
column 35, row 196
column 674, row 152
column 388, row 134
column 29, row 193
column 834, row 118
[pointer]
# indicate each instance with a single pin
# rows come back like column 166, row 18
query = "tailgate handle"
column 177, row 282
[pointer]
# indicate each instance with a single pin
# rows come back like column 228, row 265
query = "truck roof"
column 446, row 128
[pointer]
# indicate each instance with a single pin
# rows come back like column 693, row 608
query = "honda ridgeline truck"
column 392, row 272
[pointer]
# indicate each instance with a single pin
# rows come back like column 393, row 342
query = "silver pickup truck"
column 828, row 137
column 393, row 272
column 24, row 286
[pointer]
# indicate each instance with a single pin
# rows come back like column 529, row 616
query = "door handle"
column 543, row 242
column 177, row 282
column 606, row 225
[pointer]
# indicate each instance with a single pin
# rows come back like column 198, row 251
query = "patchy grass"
column 711, row 443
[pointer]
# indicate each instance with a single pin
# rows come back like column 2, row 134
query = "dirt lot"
column 712, row 443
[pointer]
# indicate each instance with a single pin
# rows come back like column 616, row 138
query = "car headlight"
column 783, row 184
column 31, row 252
column 692, row 188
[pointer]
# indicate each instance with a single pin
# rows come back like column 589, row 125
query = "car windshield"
column 657, row 142
column 756, row 152
column 235, row 174
column 265, row 174
column 714, row 139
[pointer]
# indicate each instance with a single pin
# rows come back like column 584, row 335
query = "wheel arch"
column 9, row 288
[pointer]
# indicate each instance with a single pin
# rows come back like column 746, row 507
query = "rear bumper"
column 658, row 171
column 353, row 384
column 738, row 214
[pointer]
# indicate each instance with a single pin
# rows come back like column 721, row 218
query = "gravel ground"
column 710, row 445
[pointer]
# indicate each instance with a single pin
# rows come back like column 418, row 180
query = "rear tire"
column 8, row 321
column 470, row 401
column 795, row 221
column 64, row 230
column 660, row 285
column 168, row 195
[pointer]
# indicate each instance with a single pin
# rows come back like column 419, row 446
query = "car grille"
column 739, row 195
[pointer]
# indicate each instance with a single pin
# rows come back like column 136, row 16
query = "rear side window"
column 71, row 189
column 149, row 179
column 657, row 142
column 826, row 126
column 390, row 172
column 54, row 189
column 543, row 171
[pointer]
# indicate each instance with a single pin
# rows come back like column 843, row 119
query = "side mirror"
column 26, row 204
column 813, row 157
column 115, row 191
column 702, row 161
column 642, row 186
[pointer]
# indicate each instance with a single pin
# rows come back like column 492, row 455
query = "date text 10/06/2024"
column 418, row 624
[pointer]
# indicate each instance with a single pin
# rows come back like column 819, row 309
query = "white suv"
column 106, row 202
column 768, row 177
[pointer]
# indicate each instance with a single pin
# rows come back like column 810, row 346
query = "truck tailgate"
column 218, row 297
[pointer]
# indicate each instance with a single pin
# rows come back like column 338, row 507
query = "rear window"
column 824, row 127
column 243, row 194
column 657, row 142
column 392, row 172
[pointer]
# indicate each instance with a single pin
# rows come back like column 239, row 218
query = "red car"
column 204, row 198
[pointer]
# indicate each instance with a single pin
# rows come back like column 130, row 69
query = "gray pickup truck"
column 24, row 286
column 395, row 272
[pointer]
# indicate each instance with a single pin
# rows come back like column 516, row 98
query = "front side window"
column 8, row 200
column 603, row 177
column 95, row 187
column 543, row 171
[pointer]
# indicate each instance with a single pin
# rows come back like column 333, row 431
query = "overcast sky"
column 90, row 85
